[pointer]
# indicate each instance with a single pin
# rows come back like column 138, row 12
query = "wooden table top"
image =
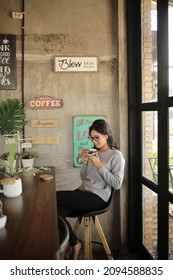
column 31, row 230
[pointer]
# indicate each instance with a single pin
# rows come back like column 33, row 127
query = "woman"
column 99, row 173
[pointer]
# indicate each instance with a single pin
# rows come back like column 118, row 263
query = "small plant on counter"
column 28, row 155
column 14, row 171
column 4, row 156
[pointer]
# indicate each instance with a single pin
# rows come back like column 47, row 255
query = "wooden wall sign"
column 76, row 64
column 81, row 126
column 45, row 102
column 50, row 140
column 7, row 61
column 45, row 123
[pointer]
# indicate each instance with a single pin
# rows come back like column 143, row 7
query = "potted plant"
column 12, row 116
column 4, row 158
column 27, row 158
column 12, row 121
column 3, row 218
column 12, row 184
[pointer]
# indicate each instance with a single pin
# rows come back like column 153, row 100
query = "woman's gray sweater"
column 100, row 181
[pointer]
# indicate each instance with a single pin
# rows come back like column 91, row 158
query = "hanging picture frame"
column 7, row 61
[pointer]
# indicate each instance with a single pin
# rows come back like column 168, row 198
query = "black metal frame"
column 136, row 107
column 134, row 99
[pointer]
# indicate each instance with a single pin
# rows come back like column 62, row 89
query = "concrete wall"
column 73, row 28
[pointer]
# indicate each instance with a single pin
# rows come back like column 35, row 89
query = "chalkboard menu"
column 81, row 126
column 7, row 61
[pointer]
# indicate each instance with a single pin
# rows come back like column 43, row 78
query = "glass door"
column 151, row 127
column 157, row 128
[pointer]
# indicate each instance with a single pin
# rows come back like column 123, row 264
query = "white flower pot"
column 3, row 221
column 28, row 162
column 12, row 190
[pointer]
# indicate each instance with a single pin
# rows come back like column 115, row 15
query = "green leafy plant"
column 28, row 155
column 4, row 156
column 12, row 116
column 155, row 162
column 13, row 171
column 154, row 167
column 1, row 209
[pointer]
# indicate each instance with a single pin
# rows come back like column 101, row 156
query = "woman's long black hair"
column 103, row 127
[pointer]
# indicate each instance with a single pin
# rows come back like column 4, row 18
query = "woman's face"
column 99, row 140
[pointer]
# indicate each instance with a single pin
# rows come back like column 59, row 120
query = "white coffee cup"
column 92, row 151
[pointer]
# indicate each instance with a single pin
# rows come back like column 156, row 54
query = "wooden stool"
column 88, row 218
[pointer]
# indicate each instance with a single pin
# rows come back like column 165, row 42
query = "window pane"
column 150, row 221
column 170, row 231
column 170, row 34
column 150, row 145
column 149, row 51
column 171, row 149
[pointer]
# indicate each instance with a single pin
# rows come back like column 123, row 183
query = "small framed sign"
column 7, row 61
column 75, row 64
column 81, row 126
column 26, row 145
column 45, row 123
column 45, row 102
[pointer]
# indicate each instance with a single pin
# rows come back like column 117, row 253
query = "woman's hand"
column 95, row 160
column 83, row 155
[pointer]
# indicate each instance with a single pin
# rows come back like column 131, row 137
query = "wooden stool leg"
column 88, row 244
column 103, row 238
column 76, row 226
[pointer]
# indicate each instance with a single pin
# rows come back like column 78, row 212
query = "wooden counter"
column 31, row 231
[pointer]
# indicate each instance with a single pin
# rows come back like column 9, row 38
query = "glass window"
column 170, row 36
column 171, row 149
column 150, row 18
column 150, row 221
column 149, row 51
column 170, row 231
column 150, row 145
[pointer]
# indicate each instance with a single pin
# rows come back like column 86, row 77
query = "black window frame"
column 135, row 110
